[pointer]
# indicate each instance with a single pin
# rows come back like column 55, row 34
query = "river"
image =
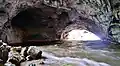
column 77, row 53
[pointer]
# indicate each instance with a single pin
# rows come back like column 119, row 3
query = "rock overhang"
column 16, row 7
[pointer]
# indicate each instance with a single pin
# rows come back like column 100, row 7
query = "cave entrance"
column 44, row 24
column 36, row 24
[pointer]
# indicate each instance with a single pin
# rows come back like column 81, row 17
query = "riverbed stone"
column 4, row 50
column 14, row 57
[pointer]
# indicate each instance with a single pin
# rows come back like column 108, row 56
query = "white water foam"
column 76, row 61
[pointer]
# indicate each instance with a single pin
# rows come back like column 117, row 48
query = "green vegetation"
column 68, row 64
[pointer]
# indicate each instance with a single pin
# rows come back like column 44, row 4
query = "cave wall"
column 99, row 12
column 41, row 23
column 105, row 13
column 50, row 17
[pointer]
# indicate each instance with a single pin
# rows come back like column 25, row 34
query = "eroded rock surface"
column 21, row 54
column 62, row 13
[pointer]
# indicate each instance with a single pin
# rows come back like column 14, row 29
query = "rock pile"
column 13, row 56
column 21, row 54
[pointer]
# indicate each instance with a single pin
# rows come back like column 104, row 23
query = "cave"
column 66, row 32
column 34, row 21
column 37, row 24
column 46, row 24
column 44, row 21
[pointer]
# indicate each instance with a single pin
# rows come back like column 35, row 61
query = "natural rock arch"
column 14, row 7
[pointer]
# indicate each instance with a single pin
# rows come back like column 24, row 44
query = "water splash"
column 77, row 61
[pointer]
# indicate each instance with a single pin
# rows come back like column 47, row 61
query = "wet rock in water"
column 14, row 57
column 34, row 53
column 39, row 55
column 24, row 51
column 4, row 49
column 20, row 54
column 18, row 49
column 32, row 64
column 36, row 56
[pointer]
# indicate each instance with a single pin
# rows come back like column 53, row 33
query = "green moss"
column 68, row 64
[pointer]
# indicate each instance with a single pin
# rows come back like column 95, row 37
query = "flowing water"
column 92, row 53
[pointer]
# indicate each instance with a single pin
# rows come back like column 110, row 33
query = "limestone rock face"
column 105, row 13
column 90, row 14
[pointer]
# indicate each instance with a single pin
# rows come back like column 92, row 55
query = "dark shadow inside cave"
column 37, row 24
column 30, row 18
column 40, row 24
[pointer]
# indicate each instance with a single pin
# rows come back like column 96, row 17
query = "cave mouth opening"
column 41, row 24
column 36, row 23
column 82, row 35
